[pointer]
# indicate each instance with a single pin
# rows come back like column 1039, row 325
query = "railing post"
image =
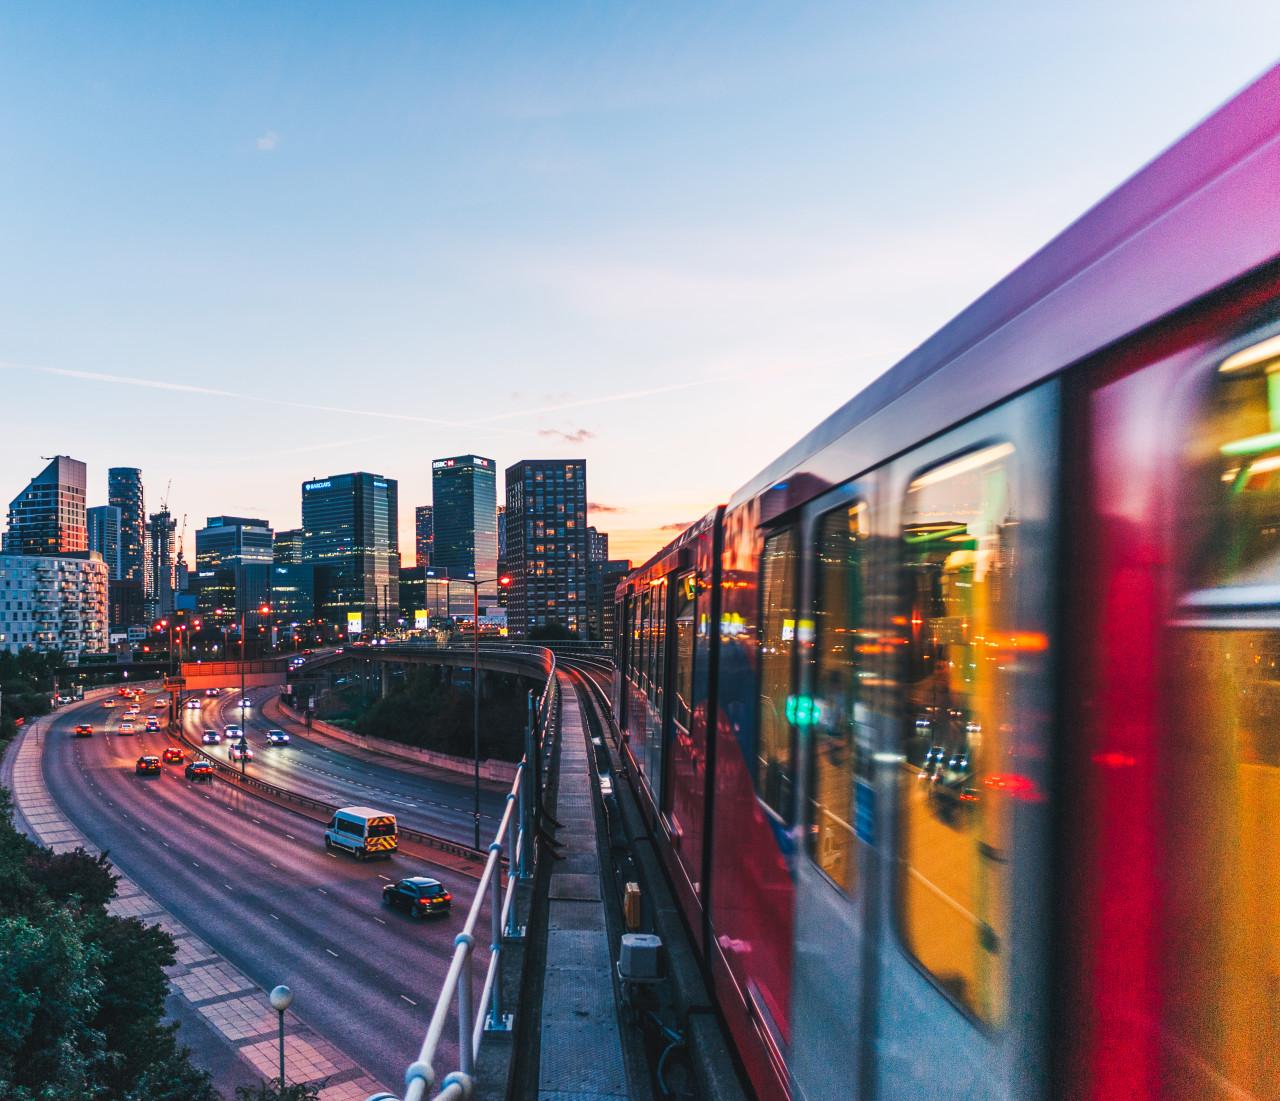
column 521, row 842
column 526, row 778
column 466, row 1054
column 498, row 1021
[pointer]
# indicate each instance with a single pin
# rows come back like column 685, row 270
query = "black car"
column 419, row 895
column 199, row 770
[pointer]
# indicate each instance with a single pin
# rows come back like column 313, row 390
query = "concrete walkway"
column 581, row 1051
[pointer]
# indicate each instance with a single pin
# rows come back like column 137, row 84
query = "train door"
column 836, row 736
column 1175, row 959
column 967, row 524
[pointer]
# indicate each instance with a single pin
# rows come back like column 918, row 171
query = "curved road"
column 423, row 799
column 253, row 880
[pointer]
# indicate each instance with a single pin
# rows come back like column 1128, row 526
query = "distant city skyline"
column 593, row 232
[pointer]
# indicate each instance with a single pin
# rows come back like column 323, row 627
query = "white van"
column 362, row 831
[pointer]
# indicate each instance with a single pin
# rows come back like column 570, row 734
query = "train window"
column 645, row 640
column 958, row 561
column 686, row 590
column 1220, row 771
column 658, row 634
column 777, row 644
column 838, row 647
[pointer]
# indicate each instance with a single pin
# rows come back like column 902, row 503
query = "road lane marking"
column 322, row 890
column 386, row 877
column 334, row 855
column 408, row 999
column 290, row 837
column 332, row 953
column 273, row 917
column 228, row 887
column 379, row 921
column 194, row 864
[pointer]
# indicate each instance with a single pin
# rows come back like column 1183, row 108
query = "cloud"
column 600, row 400
column 596, row 506
column 679, row 525
column 268, row 142
column 580, row 435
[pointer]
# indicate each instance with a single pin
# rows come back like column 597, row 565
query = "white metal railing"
column 517, row 817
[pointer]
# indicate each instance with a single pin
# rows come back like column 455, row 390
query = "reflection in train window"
column 686, row 590
column 839, row 649
column 959, row 567
column 777, row 643
column 1220, row 776
column 1235, row 466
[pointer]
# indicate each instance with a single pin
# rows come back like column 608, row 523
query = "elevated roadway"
column 422, row 798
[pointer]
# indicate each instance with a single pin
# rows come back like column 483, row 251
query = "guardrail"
column 522, row 803
column 234, row 776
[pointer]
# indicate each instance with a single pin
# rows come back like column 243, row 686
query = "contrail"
column 413, row 418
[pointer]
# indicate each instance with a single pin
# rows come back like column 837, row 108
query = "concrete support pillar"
column 386, row 678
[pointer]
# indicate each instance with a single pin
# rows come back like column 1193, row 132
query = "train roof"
column 1199, row 216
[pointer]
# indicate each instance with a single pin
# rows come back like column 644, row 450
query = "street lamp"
column 475, row 583
column 265, row 609
column 281, row 999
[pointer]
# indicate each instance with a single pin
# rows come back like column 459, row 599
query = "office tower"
column 124, row 491
column 104, row 536
column 293, row 593
column 613, row 572
column 54, row 603
column 349, row 536
column 48, row 517
column 128, row 592
column 598, row 594
column 234, row 555
column 464, row 496
column 161, row 538
column 288, row 547
column 503, row 594
column 547, row 545
column 423, row 531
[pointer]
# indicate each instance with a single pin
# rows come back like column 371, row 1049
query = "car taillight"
column 447, row 897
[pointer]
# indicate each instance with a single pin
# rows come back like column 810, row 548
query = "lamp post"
column 265, row 609
column 281, row 999
column 475, row 582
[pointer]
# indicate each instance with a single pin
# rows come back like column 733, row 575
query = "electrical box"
column 640, row 959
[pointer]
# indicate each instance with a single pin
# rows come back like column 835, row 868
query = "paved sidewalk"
column 233, row 1007
column 581, row 1049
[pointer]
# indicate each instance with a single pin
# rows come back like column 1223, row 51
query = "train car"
column 957, row 724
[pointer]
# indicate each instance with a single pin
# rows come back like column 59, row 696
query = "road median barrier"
column 467, row 860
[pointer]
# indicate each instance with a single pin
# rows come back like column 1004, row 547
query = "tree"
column 552, row 631
column 271, row 1091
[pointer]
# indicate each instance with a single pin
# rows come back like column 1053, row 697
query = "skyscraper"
column 288, row 547
column 128, row 592
column 161, row 531
column 124, row 491
column 464, row 492
column 234, row 555
column 547, row 545
column 48, row 517
column 104, row 537
column 349, row 536
column 423, row 532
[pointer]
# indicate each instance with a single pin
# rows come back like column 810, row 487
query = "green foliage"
column 82, row 992
column 271, row 1091
column 430, row 712
column 26, row 679
column 552, row 631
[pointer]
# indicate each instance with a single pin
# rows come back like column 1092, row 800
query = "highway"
column 253, row 880
column 421, row 798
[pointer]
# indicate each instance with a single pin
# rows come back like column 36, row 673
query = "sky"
column 246, row 245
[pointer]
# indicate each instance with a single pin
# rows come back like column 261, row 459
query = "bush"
column 82, row 992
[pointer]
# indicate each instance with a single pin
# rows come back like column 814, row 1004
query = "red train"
column 960, row 722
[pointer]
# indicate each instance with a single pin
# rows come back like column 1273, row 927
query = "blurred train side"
column 901, row 710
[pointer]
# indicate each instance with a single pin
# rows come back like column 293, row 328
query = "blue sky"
column 242, row 245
